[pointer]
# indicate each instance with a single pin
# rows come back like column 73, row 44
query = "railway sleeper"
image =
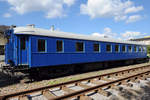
column 109, row 86
column 124, row 82
column 134, row 80
column 103, row 92
column 96, row 82
column 118, row 77
column 107, row 79
column 128, row 84
column 142, row 77
column 48, row 94
column 118, row 88
column 121, row 74
column 82, row 85
column 67, row 89
column 23, row 97
column 84, row 97
column 146, row 76
column 113, row 75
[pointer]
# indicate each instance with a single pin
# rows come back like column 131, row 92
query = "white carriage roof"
column 49, row 33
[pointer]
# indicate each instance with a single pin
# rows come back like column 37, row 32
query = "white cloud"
column 69, row 2
column 133, row 18
column 133, row 9
column 98, row 34
column 132, row 35
column 52, row 8
column 7, row 15
column 107, row 33
column 117, row 9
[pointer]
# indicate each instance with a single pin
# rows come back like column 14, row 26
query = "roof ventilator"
column 13, row 26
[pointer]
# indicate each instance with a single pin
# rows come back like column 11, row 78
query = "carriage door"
column 23, row 50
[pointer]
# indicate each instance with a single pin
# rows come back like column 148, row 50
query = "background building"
column 3, row 40
column 145, row 40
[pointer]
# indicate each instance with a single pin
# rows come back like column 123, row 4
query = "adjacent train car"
column 32, row 48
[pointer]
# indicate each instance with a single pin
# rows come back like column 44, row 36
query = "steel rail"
column 82, row 92
column 25, row 92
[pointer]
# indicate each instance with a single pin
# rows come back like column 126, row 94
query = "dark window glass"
column 59, row 46
column 41, row 45
column 135, row 49
column 124, row 48
column 144, row 48
column 140, row 49
column 130, row 48
column 2, row 50
column 108, row 48
column 8, row 39
column 23, row 43
column 96, row 47
column 79, row 46
column 116, row 48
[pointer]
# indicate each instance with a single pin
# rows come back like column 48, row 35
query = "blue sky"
column 122, row 19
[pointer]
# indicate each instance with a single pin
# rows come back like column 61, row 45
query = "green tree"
column 148, row 49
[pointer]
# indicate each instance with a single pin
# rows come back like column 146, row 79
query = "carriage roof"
column 60, row 34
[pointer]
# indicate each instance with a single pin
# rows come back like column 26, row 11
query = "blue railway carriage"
column 38, row 48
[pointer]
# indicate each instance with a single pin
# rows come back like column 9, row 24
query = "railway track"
column 82, row 89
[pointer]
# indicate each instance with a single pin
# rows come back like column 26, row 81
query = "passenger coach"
column 38, row 48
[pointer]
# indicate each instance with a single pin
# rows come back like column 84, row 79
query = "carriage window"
column 79, row 46
column 23, row 43
column 59, row 46
column 96, row 47
column 129, row 48
column 144, row 49
column 140, row 49
column 135, row 49
column 116, row 48
column 108, row 48
column 41, row 45
column 124, row 48
column 2, row 50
